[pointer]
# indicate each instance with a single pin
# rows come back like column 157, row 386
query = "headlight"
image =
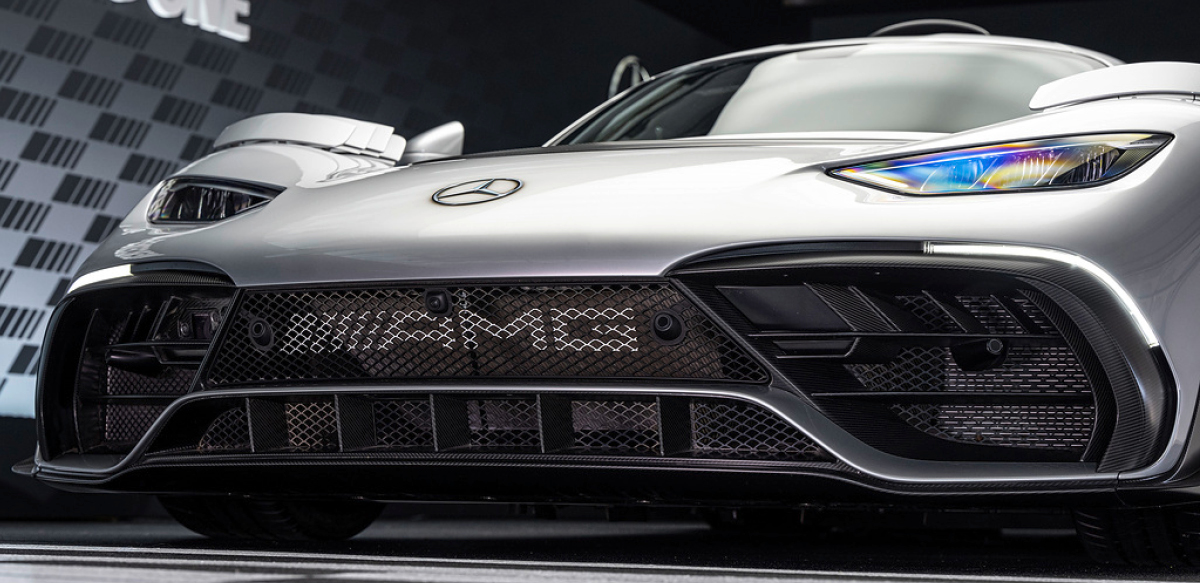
column 1037, row 164
column 187, row 200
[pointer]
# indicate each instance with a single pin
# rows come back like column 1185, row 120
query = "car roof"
column 978, row 40
column 1000, row 42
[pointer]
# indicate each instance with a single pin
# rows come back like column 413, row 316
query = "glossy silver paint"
column 637, row 210
column 444, row 141
column 1182, row 79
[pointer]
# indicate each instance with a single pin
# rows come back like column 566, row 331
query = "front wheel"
column 226, row 517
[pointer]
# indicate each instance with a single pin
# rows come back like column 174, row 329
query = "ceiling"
column 752, row 23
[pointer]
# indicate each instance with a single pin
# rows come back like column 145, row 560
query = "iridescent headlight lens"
column 194, row 201
column 1051, row 163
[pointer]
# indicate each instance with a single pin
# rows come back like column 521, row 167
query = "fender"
column 1160, row 78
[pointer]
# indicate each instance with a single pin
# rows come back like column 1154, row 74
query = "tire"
column 1146, row 537
column 272, row 520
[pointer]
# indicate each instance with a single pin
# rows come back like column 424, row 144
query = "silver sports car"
column 923, row 272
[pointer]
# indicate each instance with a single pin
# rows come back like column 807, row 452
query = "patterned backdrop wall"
column 100, row 100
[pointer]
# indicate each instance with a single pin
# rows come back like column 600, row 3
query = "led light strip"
column 1039, row 164
column 101, row 276
column 989, row 250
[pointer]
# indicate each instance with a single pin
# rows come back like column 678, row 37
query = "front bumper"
column 808, row 366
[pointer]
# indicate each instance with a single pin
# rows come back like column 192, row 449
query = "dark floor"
column 524, row 549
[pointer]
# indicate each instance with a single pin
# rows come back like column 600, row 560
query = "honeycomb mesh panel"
column 1026, row 426
column 734, row 429
column 599, row 331
column 230, row 431
column 1040, row 369
column 311, row 425
column 403, row 423
column 930, row 313
column 624, row 427
column 171, row 381
column 504, row 424
column 125, row 424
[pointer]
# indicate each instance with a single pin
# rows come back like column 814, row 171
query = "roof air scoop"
column 636, row 72
column 930, row 26
column 345, row 136
column 337, row 134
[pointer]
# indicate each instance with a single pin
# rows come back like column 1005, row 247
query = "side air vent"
column 121, row 356
column 928, row 364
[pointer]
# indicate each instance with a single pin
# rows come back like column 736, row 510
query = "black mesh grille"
column 989, row 312
column 1036, row 369
column 600, row 331
column 403, row 424
column 1029, row 426
column 895, row 355
column 171, row 381
column 913, row 369
column 1030, row 368
column 930, row 313
column 1043, row 369
column 230, row 431
column 504, row 424
column 126, row 424
column 549, row 424
column 733, row 429
column 630, row 427
column 312, row 425
column 1037, row 316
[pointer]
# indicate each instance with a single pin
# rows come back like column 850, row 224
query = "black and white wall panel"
column 101, row 99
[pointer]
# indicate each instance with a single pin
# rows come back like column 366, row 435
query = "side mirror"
column 444, row 141
column 637, row 75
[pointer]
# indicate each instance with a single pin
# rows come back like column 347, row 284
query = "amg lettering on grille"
column 607, row 330
column 390, row 334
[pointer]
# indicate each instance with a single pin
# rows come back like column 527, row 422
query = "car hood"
column 629, row 210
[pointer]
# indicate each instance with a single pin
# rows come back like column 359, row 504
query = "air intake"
column 492, row 425
column 935, row 364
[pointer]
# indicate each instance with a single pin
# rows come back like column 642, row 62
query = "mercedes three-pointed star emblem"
column 477, row 191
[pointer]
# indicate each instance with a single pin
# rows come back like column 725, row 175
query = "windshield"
column 927, row 87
